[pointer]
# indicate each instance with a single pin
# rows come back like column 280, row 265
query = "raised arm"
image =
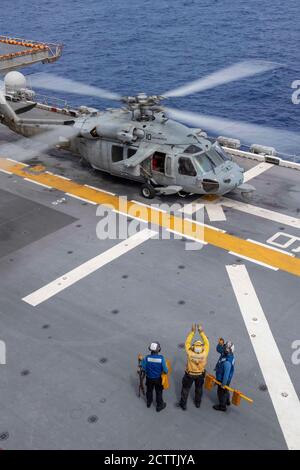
column 204, row 339
column 189, row 339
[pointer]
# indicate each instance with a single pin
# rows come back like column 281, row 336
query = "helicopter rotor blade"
column 49, row 81
column 283, row 140
column 243, row 69
column 26, row 148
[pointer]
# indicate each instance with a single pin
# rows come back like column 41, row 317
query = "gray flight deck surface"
column 70, row 381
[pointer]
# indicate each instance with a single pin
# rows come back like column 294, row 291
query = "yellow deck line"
column 221, row 240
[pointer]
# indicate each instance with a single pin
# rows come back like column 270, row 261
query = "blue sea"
column 155, row 45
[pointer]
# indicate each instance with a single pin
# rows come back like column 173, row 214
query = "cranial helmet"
column 198, row 346
column 229, row 347
column 155, row 347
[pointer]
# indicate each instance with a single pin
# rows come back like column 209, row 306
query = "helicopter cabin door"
column 162, row 168
column 186, row 174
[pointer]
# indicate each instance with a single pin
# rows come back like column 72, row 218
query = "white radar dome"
column 14, row 81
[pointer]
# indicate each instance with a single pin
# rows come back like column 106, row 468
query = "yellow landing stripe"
column 189, row 228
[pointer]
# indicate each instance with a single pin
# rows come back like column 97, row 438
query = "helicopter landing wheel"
column 148, row 191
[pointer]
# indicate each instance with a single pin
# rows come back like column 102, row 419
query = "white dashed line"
column 148, row 206
column 182, row 235
column 81, row 199
column 63, row 177
column 37, row 183
column 99, row 189
column 253, row 260
column 270, row 247
column 205, row 225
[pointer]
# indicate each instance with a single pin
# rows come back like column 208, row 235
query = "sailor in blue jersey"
column 224, row 372
column 154, row 365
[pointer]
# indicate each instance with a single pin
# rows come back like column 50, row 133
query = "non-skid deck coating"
column 70, row 380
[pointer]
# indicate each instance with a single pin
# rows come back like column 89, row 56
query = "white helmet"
column 229, row 347
column 154, row 347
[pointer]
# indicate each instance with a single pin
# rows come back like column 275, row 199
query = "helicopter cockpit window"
column 216, row 156
column 158, row 162
column 203, row 163
column 131, row 152
column 221, row 152
column 192, row 149
column 186, row 167
column 116, row 153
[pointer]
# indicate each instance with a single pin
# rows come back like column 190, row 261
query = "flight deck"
column 76, row 309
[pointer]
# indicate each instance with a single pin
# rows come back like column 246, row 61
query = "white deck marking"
column 215, row 211
column 282, row 392
column 182, row 235
column 63, row 177
column 194, row 206
column 261, row 212
column 6, row 172
column 99, row 189
column 89, row 267
column 270, row 247
column 256, row 171
column 125, row 214
column 39, row 184
column 290, row 240
column 205, row 225
column 81, row 199
column 213, row 208
column 149, row 207
column 265, row 265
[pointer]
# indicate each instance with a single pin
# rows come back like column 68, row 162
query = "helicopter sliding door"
column 117, row 154
column 162, row 168
column 98, row 154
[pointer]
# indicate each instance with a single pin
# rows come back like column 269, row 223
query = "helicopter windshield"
column 214, row 157
column 203, row 163
column 217, row 154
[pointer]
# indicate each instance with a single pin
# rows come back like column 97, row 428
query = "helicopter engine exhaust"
column 127, row 134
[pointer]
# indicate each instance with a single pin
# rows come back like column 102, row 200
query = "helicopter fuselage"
column 148, row 148
column 176, row 156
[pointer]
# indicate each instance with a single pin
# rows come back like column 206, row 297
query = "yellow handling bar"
column 210, row 380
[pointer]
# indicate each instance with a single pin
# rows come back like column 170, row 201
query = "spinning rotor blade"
column 48, row 81
column 27, row 148
column 232, row 73
column 282, row 140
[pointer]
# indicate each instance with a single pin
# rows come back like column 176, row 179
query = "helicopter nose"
column 230, row 181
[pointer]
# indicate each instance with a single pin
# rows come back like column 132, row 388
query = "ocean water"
column 155, row 45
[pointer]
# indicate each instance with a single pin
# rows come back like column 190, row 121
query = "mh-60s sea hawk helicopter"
column 139, row 141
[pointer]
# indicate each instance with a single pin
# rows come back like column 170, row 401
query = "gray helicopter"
column 139, row 141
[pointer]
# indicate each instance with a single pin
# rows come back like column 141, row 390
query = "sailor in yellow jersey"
column 197, row 353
